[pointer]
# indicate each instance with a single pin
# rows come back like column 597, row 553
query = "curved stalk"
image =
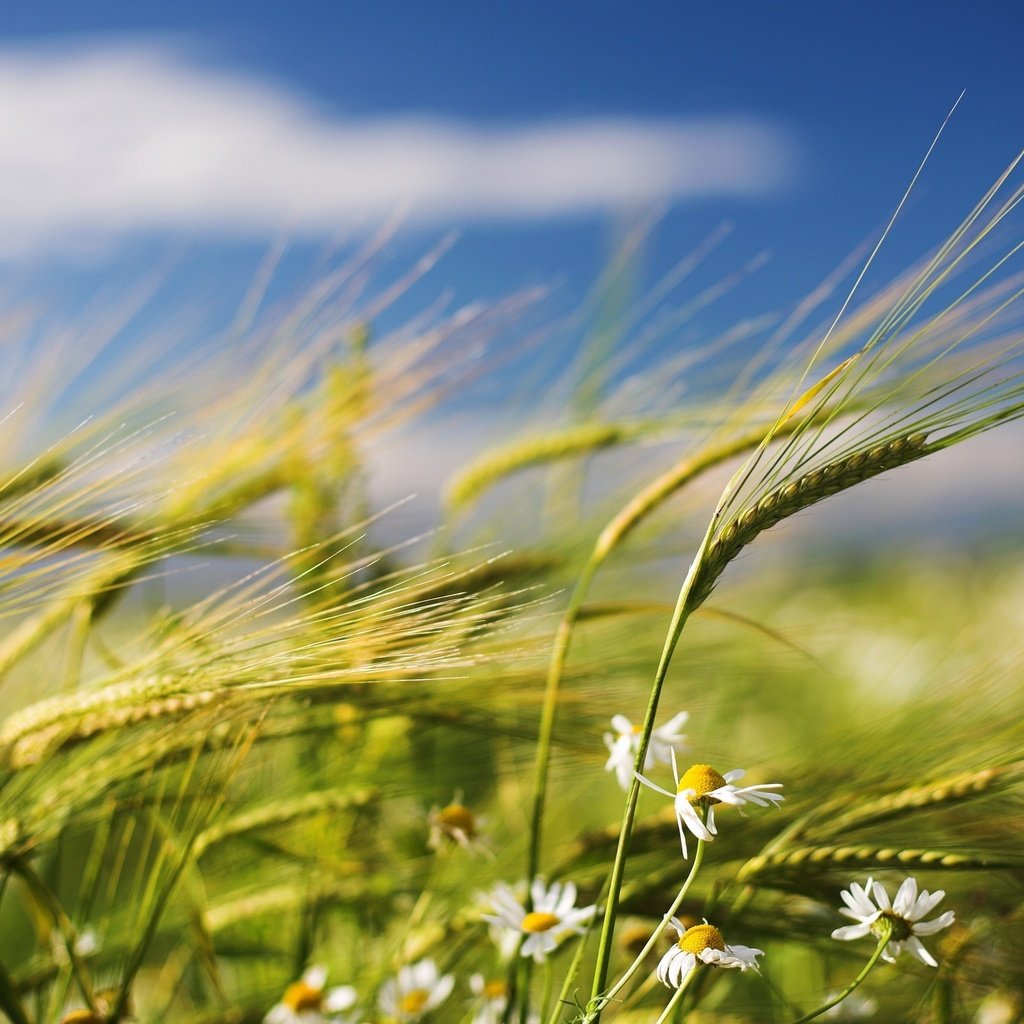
column 623, row 523
column 682, row 612
column 879, row 949
column 698, row 857
column 676, row 996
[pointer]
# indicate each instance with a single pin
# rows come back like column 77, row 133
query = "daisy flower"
column 869, row 906
column 491, row 999
column 455, row 823
column 700, row 786
column 418, row 989
column 702, row 944
column 553, row 918
column 624, row 743
column 307, row 1001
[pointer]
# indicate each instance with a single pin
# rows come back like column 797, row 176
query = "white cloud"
column 101, row 141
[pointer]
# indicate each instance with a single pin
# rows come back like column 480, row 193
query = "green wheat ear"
column 793, row 497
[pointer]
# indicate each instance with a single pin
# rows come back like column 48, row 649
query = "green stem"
column 616, row 530
column 698, row 857
column 10, row 1004
column 547, row 990
column 570, row 978
column 48, row 901
column 879, row 949
column 676, row 996
column 682, row 612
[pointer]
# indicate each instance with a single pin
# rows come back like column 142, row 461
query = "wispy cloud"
column 101, row 141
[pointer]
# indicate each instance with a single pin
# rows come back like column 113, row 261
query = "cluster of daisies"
column 534, row 921
column 417, row 989
column 697, row 791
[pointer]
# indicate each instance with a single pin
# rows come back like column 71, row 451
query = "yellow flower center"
column 702, row 779
column 700, row 937
column 81, row 1017
column 495, row 990
column 299, row 996
column 413, row 1002
column 637, row 729
column 539, row 921
column 455, row 816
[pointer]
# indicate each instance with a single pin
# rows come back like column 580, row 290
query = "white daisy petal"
column 567, row 900
column 853, row 931
column 622, row 725
column 442, row 990
column 652, row 785
column 279, row 1014
column 881, row 897
column 682, row 836
column 913, row 944
column 315, row 976
column 341, row 998
column 931, row 927
column 926, row 903
column 906, row 897
column 689, row 816
column 747, row 955
column 539, row 892
column 856, row 900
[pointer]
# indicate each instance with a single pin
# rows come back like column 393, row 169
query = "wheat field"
column 265, row 757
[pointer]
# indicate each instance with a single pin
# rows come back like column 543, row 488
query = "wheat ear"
column 795, row 496
column 808, row 858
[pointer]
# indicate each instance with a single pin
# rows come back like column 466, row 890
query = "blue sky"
column 194, row 136
column 828, row 107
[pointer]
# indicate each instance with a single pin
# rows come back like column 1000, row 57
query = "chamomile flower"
column 869, row 906
column 491, row 999
column 702, row 944
column 456, row 824
column 553, row 918
column 624, row 743
column 308, row 1001
column 418, row 989
column 700, row 786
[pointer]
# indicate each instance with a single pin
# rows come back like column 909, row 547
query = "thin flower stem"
column 10, row 1002
column 676, row 996
column 524, row 976
column 547, row 991
column 879, row 949
column 698, row 857
column 682, row 612
column 623, row 523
